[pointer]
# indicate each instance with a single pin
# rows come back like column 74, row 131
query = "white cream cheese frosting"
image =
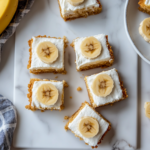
column 87, row 111
column 116, row 93
column 67, row 8
column 36, row 63
column 147, row 2
column 82, row 61
column 59, row 85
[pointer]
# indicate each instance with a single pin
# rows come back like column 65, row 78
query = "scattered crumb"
column 71, row 97
column 56, row 77
column 66, row 84
column 79, row 89
column 80, row 77
column 42, row 110
column 66, row 117
column 83, row 74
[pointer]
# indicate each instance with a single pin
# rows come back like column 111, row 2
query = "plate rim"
column 128, row 34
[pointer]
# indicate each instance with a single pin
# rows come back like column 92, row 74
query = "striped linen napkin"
column 8, row 122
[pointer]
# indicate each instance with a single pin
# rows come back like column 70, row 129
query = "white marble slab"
column 46, row 130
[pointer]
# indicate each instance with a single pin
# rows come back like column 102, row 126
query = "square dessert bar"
column 105, row 88
column 47, row 54
column 92, row 52
column 45, row 94
column 88, row 125
column 144, row 6
column 69, row 9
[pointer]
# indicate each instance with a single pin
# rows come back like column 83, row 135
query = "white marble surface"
column 6, row 88
column 44, row 19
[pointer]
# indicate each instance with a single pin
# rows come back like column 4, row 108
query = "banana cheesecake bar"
column 46, row 54
column 72, row 9
column 88, row 125
column 105, row 88
column 144, row 6
column 92, row 52
column 144, row 29
column 45, row 94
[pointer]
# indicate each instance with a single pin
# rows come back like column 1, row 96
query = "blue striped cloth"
column 8, row 122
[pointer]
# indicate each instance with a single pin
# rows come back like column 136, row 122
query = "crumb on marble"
column 66, row 84
column 66, row 117
column 56, row 77
column 70, row 97
column 79, row 89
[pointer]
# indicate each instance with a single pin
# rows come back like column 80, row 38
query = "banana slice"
column 144, row 29
column 90, row 48
column 147, row 109
column 102, row 85
column 88, row 127
column 47, row 94
column 47, row 52
column 75, row 2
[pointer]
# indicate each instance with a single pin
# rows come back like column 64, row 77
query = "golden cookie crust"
column 144, row 8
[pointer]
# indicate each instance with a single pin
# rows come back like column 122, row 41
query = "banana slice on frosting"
column 102, row 85
column 90, row 48
column 88, row 127
column 147, row 109
column 144, row 29
column 47, row 94
column 47, row 52
column 75, row 2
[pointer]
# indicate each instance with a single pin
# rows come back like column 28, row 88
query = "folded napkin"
column 8, row 121
column 23, row 8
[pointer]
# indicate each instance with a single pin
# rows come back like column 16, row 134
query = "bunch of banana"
column 75, row 2
column 47, row 52
column 102, row 85
column 47, row 94
column 145, row 29
column 90, row 48
column 147, row 109
column 7, row 11
column 88, row 127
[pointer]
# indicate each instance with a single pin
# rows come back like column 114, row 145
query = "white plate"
column 133, row 18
